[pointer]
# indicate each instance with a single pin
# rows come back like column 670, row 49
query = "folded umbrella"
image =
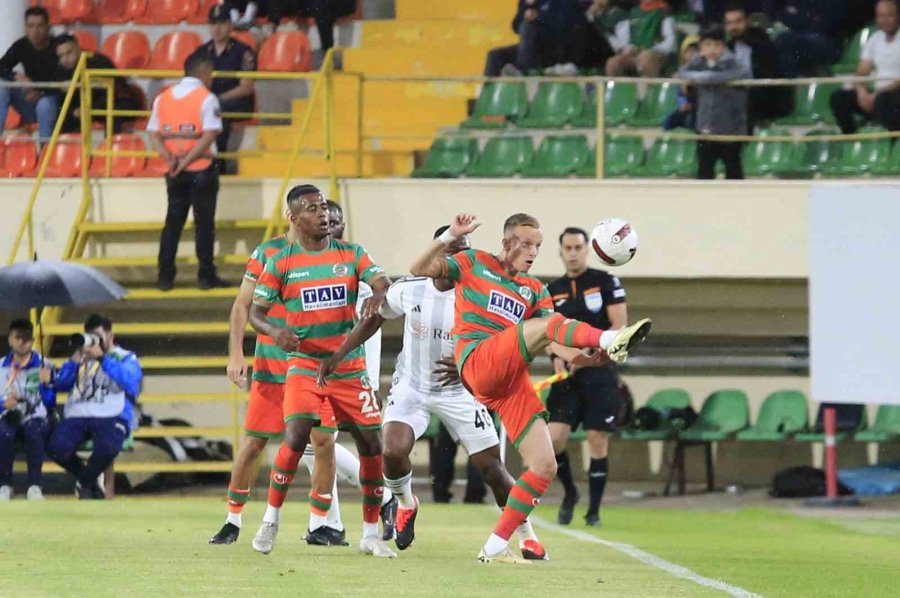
column 44, row 283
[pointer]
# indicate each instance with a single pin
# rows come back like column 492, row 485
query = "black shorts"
column 590, row 397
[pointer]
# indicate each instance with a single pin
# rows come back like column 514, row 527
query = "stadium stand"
column 128, row 49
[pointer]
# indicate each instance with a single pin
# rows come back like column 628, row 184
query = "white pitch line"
column 649, row 559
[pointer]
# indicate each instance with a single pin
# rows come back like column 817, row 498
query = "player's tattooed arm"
column 284, row 338
column 431, row 263
column 362, row 332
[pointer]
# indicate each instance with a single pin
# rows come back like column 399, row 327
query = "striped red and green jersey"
column 270, row 362
column 489, row 300
column 319, row 290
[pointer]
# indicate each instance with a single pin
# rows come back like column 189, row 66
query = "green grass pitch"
column 157, row 547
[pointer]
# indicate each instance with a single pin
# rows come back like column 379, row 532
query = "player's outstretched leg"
column 616, row 343
column 239, row 488
column 371, row 482
column 399, row 439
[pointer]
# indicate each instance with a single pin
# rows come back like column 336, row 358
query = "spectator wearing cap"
column 644, row 41
column 881, row 57
column 721, row 109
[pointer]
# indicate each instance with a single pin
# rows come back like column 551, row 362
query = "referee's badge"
column 593, row 301
column 525, row 292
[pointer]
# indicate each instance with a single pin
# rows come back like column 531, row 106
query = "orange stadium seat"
column 122, row 166
column 119, row 11
column 19, row 156
column 287, row 51
column 128, row 49
column 200, row 17
column 68, row 11
column 66, row 158
column 245, row 37
column 164, row 12
column 173, row 48
column 86, row 40
column 13, row 120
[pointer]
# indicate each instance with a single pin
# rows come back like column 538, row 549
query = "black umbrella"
column 44, row 283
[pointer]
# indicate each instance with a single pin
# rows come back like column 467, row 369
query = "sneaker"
column 6, row 493
column 592, row 520
column 227, row 535
column 567, row 509
column 165, row 285
column 264, row 540
column 628, row 337
column 388, row 519
column 506, row 557
column 406, row 526
column 376, row 547
column 34, row 493
column 326, row 536
column 533, row 550
column 92, row 492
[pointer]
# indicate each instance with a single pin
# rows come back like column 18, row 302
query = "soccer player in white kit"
column 426, row 382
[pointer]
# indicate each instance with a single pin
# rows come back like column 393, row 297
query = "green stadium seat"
column 659, row 100
column 558, row 156
column 622, row 155
column 724, row 413
column 812, row 104
column 621, row 102
column 850, row 58
column 842, row 435
column 782, row 413
column 498, row 104
column 667, row 398
column 813, row 156
column 892, row 166
column 861, row 156
column 502, row 157
column 448, row 157
column 554, row 106
column 886, row 426
column 588, row 168
column 670, row 157
column 767, row 157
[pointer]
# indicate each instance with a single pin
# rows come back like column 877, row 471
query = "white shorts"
column 373, row 360
column 467, row 420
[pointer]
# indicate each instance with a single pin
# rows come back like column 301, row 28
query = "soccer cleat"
column 388, row 519
column 506, row 557
column 406, row 526
column 264, row 540
column 6, row 493
column 326, row 536
column 533, row 550
column 376, row 547
column 34, row 493
column 227, row 535
column 628, row 337
column 567, row 509
column 92, row 492
column 592, row 520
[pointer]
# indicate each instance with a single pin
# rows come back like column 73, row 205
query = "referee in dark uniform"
column 589, row 397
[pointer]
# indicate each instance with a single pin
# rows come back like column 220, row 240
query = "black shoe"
column 567, row 509
column 205, row 284
column 92, row 492
column 442, row 496
column 227, row 535
column 406, row 526
column 388, row 519
column 592, row 520
column 165, row 285
column 473, row 499
column 326, row 536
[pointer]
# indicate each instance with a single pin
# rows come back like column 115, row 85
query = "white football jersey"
column 426, row 332
column 373, row 345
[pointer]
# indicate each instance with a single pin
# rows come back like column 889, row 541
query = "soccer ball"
column 614, row 241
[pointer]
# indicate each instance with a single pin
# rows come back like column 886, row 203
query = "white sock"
column 308, row 458
column 234, row 519
column 606, row 338
column 526, row 531
column 333, row 517
column 402, row 489
column 369, row 530
column 316, row 521
column 386, row 495
column 272, row 514
column 347, row 465
column 495, row 544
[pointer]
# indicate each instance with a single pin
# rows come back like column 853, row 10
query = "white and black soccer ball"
column 614, row 241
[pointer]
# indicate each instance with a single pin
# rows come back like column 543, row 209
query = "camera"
column 83, row 340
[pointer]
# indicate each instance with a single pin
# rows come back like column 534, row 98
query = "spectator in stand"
column 721, row 109
column 644, row 41
column 602, row 17
column 753, row 48
column 325, row 12
column 545, row 29
column 36, row 53
column 881, row 57
column 683, row 116
column 813, row 41
column 124, row 96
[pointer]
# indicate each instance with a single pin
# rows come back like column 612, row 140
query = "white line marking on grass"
column 649, row 559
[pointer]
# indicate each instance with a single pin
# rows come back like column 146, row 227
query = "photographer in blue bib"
column 104, row 381
column 25, row 400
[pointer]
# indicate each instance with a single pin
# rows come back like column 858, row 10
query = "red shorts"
column 265, row 411
column 352, row 404
column 496, row 372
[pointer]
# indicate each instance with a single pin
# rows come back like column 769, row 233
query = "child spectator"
column 683, row 116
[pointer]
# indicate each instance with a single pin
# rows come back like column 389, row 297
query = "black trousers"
column 532, row 52
column 710, row 152
column 443, row 455
column 197, row 190
column 886, row 110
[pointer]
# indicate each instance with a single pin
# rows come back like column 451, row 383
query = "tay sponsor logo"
column 324, row 297
column 506, row 307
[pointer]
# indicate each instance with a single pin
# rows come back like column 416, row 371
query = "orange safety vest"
column 181, row 123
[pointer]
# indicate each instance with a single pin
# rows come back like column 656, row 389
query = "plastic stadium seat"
column 244, row 37
column 621, row 100
column 886, row 426
column 65, row 161
column 767, row 157
column 69, row 11
column 667, row 398
column 13, row 120
column 200, row 17
column 861, row 156
column 670, row 157
column 173, row 48
column 128, row 49
column 622, row 155
column 86, row 40
column 497, row 104
column 122, row 166
column 19, row 156
column 814, row 156
column 724, row 413
column 164, row 12
column 286, row 52
column 111, row 12
column 851, row 419
column 558, row 156
column 812, row 104
column 554, row 106
column 850, row 58
column 659, row 100
column 448, row 157
column 892, row 166
column 782, row 413
column 502, row 157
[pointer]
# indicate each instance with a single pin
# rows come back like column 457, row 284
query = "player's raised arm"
column 431, row 263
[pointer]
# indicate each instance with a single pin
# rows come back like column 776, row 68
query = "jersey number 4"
column 483, row 418
column 370, row 402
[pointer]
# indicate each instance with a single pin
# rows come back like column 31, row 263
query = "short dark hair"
column 66, row 38
column 298, row 190
column 21, row 325
column 196, row 62
column 333, row 205
column 440, row 231
column 97, row 321
column 735, row 7
column 573, row 230
column 37, row 11
column 714, row 33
